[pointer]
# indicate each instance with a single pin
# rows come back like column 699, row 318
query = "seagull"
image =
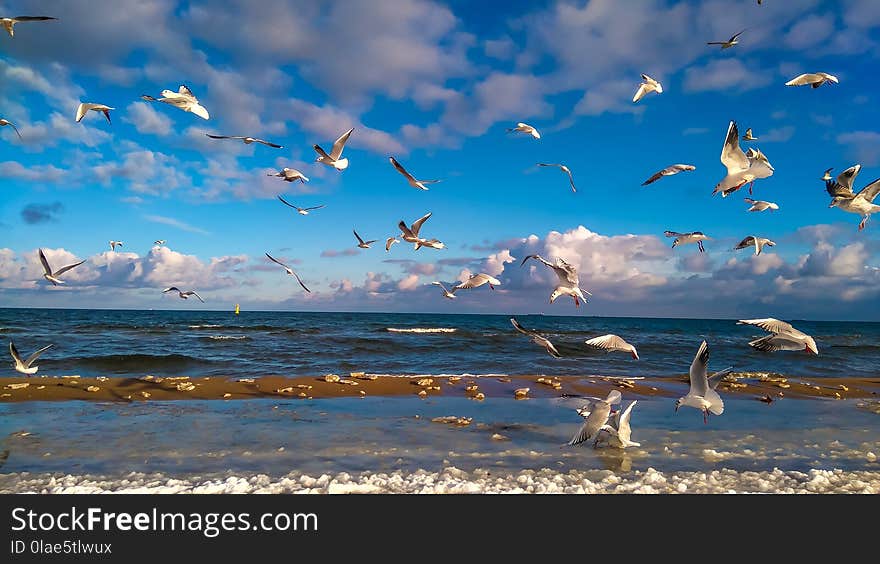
column 477, row 280
column 86, row 106
column 685, row 238
column 595, row 416
column 569, row 283
column 430, row 243
column 114, row 244
column 446, row 292
column 813, row 79
column 761, row 205
column 9, row 23
column 159, row 242
column 301, row 211
column 411, row 234
column 742, row 168
column 564, row 169
column 183, row 295
column 843, row 197
column 827, row 176
column 290, row 175
column 183, row 99
column 783, row 337
column 420, row 184
column 390, row 241
column 5, row 122
column 752, row 241
column 536, row 338
column 612, row 343
column 646, row 87
column 246, row 140
column 51, row 276
column 618, row 432
column 701, row 395
column 524, row 128
column 729, row 43
column 668, row 171
column 748, row 136
column 290, row 272
column 333, row 159
column 361, row 243
column 24, row 366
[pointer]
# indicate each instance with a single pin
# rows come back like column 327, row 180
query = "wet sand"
column 149, row 388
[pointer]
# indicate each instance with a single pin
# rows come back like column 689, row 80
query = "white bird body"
column 827, row 176
column 183, row 295
column 783, row 337
column 685, row 238
column 537, row 338
column 742, row 168
column 389, row 242
column 450, row 295
column 525, row 128
column 617, row 432
column 53, row 276
column 612, row 343
column 815, row 80
column 9, row 23
column 183, row 99
column 88, row 106
column 647, row 86
column 569, row 281
column 410, row 179
column 477, row 280
column 761, row 205
column 595, row 416
column 334, row 159
column 701, row 395
column 843, row 197
column 668, row 171
column 25, row 366
column 757, row 242
column 748, row 136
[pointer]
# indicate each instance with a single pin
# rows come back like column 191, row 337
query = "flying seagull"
column 701, row 395
column 569, row 282
column 301, row 211
column 361, row 243
column 668, row 171
column 290, row 175
column 684, row 238
column 477, row 280
column 729, row 43
column 9, row 23
column 114, row 244
column 24, row 366
column 420, row 184
column 752, row 241
column 536, row 338
column 595, row 416
column 748, row 136
column 448, row 294
column 524, row 128
column 86, row 106
column 827, row 176
column 783, row 337
column 761, row 205
column 182, row 295
column 246, row 140
column 334, row 158
column 612, row 343
column 411, row 234
column 564, row 169
column 290, row 271
column 159, row 242
column 843, row 197
column 647, row 86
column 815, row 80
column 5, row 122
column 390, row 241
column 742, row 168
column 183, row 99
column 53, row 276
column 617, row 431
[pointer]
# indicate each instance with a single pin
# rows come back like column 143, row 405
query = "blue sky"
column 435, row 85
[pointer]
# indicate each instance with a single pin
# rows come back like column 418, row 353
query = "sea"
column 392, row 444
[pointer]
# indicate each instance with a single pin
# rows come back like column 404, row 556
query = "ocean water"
column 253, row 344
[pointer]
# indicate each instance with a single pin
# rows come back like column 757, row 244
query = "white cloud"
column 146, row 119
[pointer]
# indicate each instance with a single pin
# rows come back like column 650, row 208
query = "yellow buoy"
column 236, row 309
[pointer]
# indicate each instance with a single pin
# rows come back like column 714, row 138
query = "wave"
column 229, row 338
column 205, row 326
column 421, row 330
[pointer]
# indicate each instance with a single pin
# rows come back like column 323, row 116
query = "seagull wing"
column 621, row 420
column 12, row 125
column 770, row 325
column 538, row 258
column 474, row 281
column 171, row 289
column 698, row 378
column 61, row 271
column 732, row 155
column 804, row 79
column 267, row 143
column 339, row 144
column 716, row 378
column 608, row 343
column 276, row 261
column 675, row 234
column 640, row 93
column 298, row 279
column 595, row 420
column 390, row 241
column 192, row 293
column 30, row 360
column 199, row 110
column 224, row 136
column 417, row 224
column 287, row 203
column 315, row 207
column 836, row 189
column 847, row 177
column 47, row 270
column 655, row 177
column 747, row 242
column 358, row 237
column 870, row 191
column 33, row 18
column 14, row 352
column 402, row 170
column 520, row 328
column 321, row 152
column 184, row 89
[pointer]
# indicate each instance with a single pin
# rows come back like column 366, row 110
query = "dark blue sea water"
column 134, row 343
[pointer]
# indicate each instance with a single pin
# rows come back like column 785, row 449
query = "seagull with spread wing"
column 748, row 136
column 756, row 242
column 24, row 366
column 299, row 210
column 537, row 338
column 734, row 40
column 684, row 238
column 617, row 432
column 742, row 168
column 411, row 180
column 569, row 282
column 595, row 415
column 783, row 336
column 183, row 295
column 564, row 169
column 411, row 234
column 290, row 175
column 815, row 80
column 5, row 122
column 361, row 243
column 114, row 244
column 183, row 99
column 447, row 293
column 477, row 280
column 524, row 128
column 290, row 271
column 827, row 175
column 843, row 197
column 389, row 242
column 701, row 394
column 612, row 343
column 334, row 159
column 647, row 86
column 9, row 23
column 245, row 140
column 761, row 205
column 668, row 171
column 85, row 107
column 53, row 276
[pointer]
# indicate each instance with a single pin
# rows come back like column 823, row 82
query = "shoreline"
column 359, row 384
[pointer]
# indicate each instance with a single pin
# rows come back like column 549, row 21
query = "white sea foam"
column 421, row 330
column 207, row 326
column 228, row 337
column 453, row 480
